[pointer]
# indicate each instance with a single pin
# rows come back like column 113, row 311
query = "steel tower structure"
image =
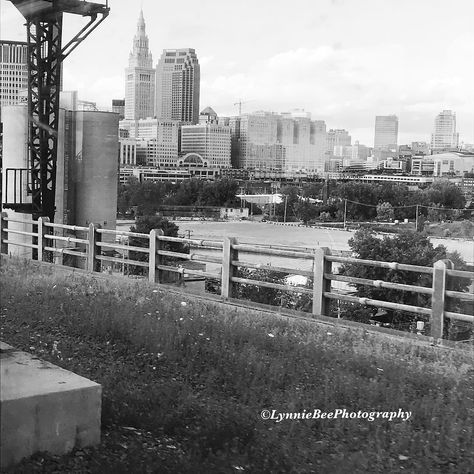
column 44, row 21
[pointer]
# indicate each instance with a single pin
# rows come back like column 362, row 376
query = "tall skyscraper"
column 444, row 136
column 386, row 132
column 140, row 77
column 177, row 86
column 13, row 72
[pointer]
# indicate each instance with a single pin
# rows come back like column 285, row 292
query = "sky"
column 345, row 61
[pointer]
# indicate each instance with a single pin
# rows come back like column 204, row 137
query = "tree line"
column 145, row 198
column 367, row 202
column 335, row 200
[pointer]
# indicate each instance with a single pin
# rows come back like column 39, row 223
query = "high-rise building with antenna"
column 140, row 77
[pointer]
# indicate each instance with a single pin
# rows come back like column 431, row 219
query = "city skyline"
column 343, row 63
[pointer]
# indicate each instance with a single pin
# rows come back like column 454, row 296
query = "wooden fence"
column 95, row 248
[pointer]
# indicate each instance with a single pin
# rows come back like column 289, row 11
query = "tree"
column 143, row 225
column 185, row 193
column 313, row 190
column 445, row 194
column 219, row 193
column 407, row 247
column 263, row 295
column 307, row 211
column 358, row 193
column 290, row 201
column 385, row 212
column 435, row 212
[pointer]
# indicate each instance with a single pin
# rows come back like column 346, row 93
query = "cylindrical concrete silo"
column 95, row 168
column 15, row 157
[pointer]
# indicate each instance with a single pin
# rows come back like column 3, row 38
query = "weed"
column 200, row 373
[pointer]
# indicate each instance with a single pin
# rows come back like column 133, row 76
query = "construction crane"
column 44, row 22
column 239, row 103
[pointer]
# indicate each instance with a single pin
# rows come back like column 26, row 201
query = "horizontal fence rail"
column 167, row 259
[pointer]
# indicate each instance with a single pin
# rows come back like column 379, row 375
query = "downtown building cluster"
column 163, row 135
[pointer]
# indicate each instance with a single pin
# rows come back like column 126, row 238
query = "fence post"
column 3, row 233
column 158, row 257
column 93, row 265
column 321, row 284
column 42, row 241
column 154, row 258
column 438, row 299
column 228, row 270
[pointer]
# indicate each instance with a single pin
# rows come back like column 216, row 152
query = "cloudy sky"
column 344, row 61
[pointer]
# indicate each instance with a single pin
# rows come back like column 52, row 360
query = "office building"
column 163, row 150
column 420, row 148
column 68, row 100
column 209, row 143
column 288, row 142
column 444, row 136
column 13, row 73
column 118, row 107
column 208, row 115
column 307, row 152
column 140, row 77
column 386, row 133
column 443, row 164
column 177, row 86
column 337, row 137
column 162, row 138
column 255, row 141
column 133, row 152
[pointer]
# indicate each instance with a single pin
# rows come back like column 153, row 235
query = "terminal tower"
column 140, row 77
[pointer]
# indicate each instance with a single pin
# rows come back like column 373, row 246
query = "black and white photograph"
column 236, row 237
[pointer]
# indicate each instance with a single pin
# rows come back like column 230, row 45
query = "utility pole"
column 345, row 212
column 286, row 201
column 416, row 219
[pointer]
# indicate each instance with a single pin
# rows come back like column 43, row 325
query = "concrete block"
column 44, row 408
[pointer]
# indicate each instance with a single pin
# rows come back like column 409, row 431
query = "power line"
column 406, row 207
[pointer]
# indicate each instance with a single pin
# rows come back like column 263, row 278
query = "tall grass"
column 202, row 372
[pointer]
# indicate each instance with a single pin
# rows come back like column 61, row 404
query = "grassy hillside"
column 184, row 383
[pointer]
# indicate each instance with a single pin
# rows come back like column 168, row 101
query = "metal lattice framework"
column 44, row 66
column 44, row 20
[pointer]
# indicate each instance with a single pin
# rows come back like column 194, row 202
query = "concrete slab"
column 44, row 408
column 5, row 347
